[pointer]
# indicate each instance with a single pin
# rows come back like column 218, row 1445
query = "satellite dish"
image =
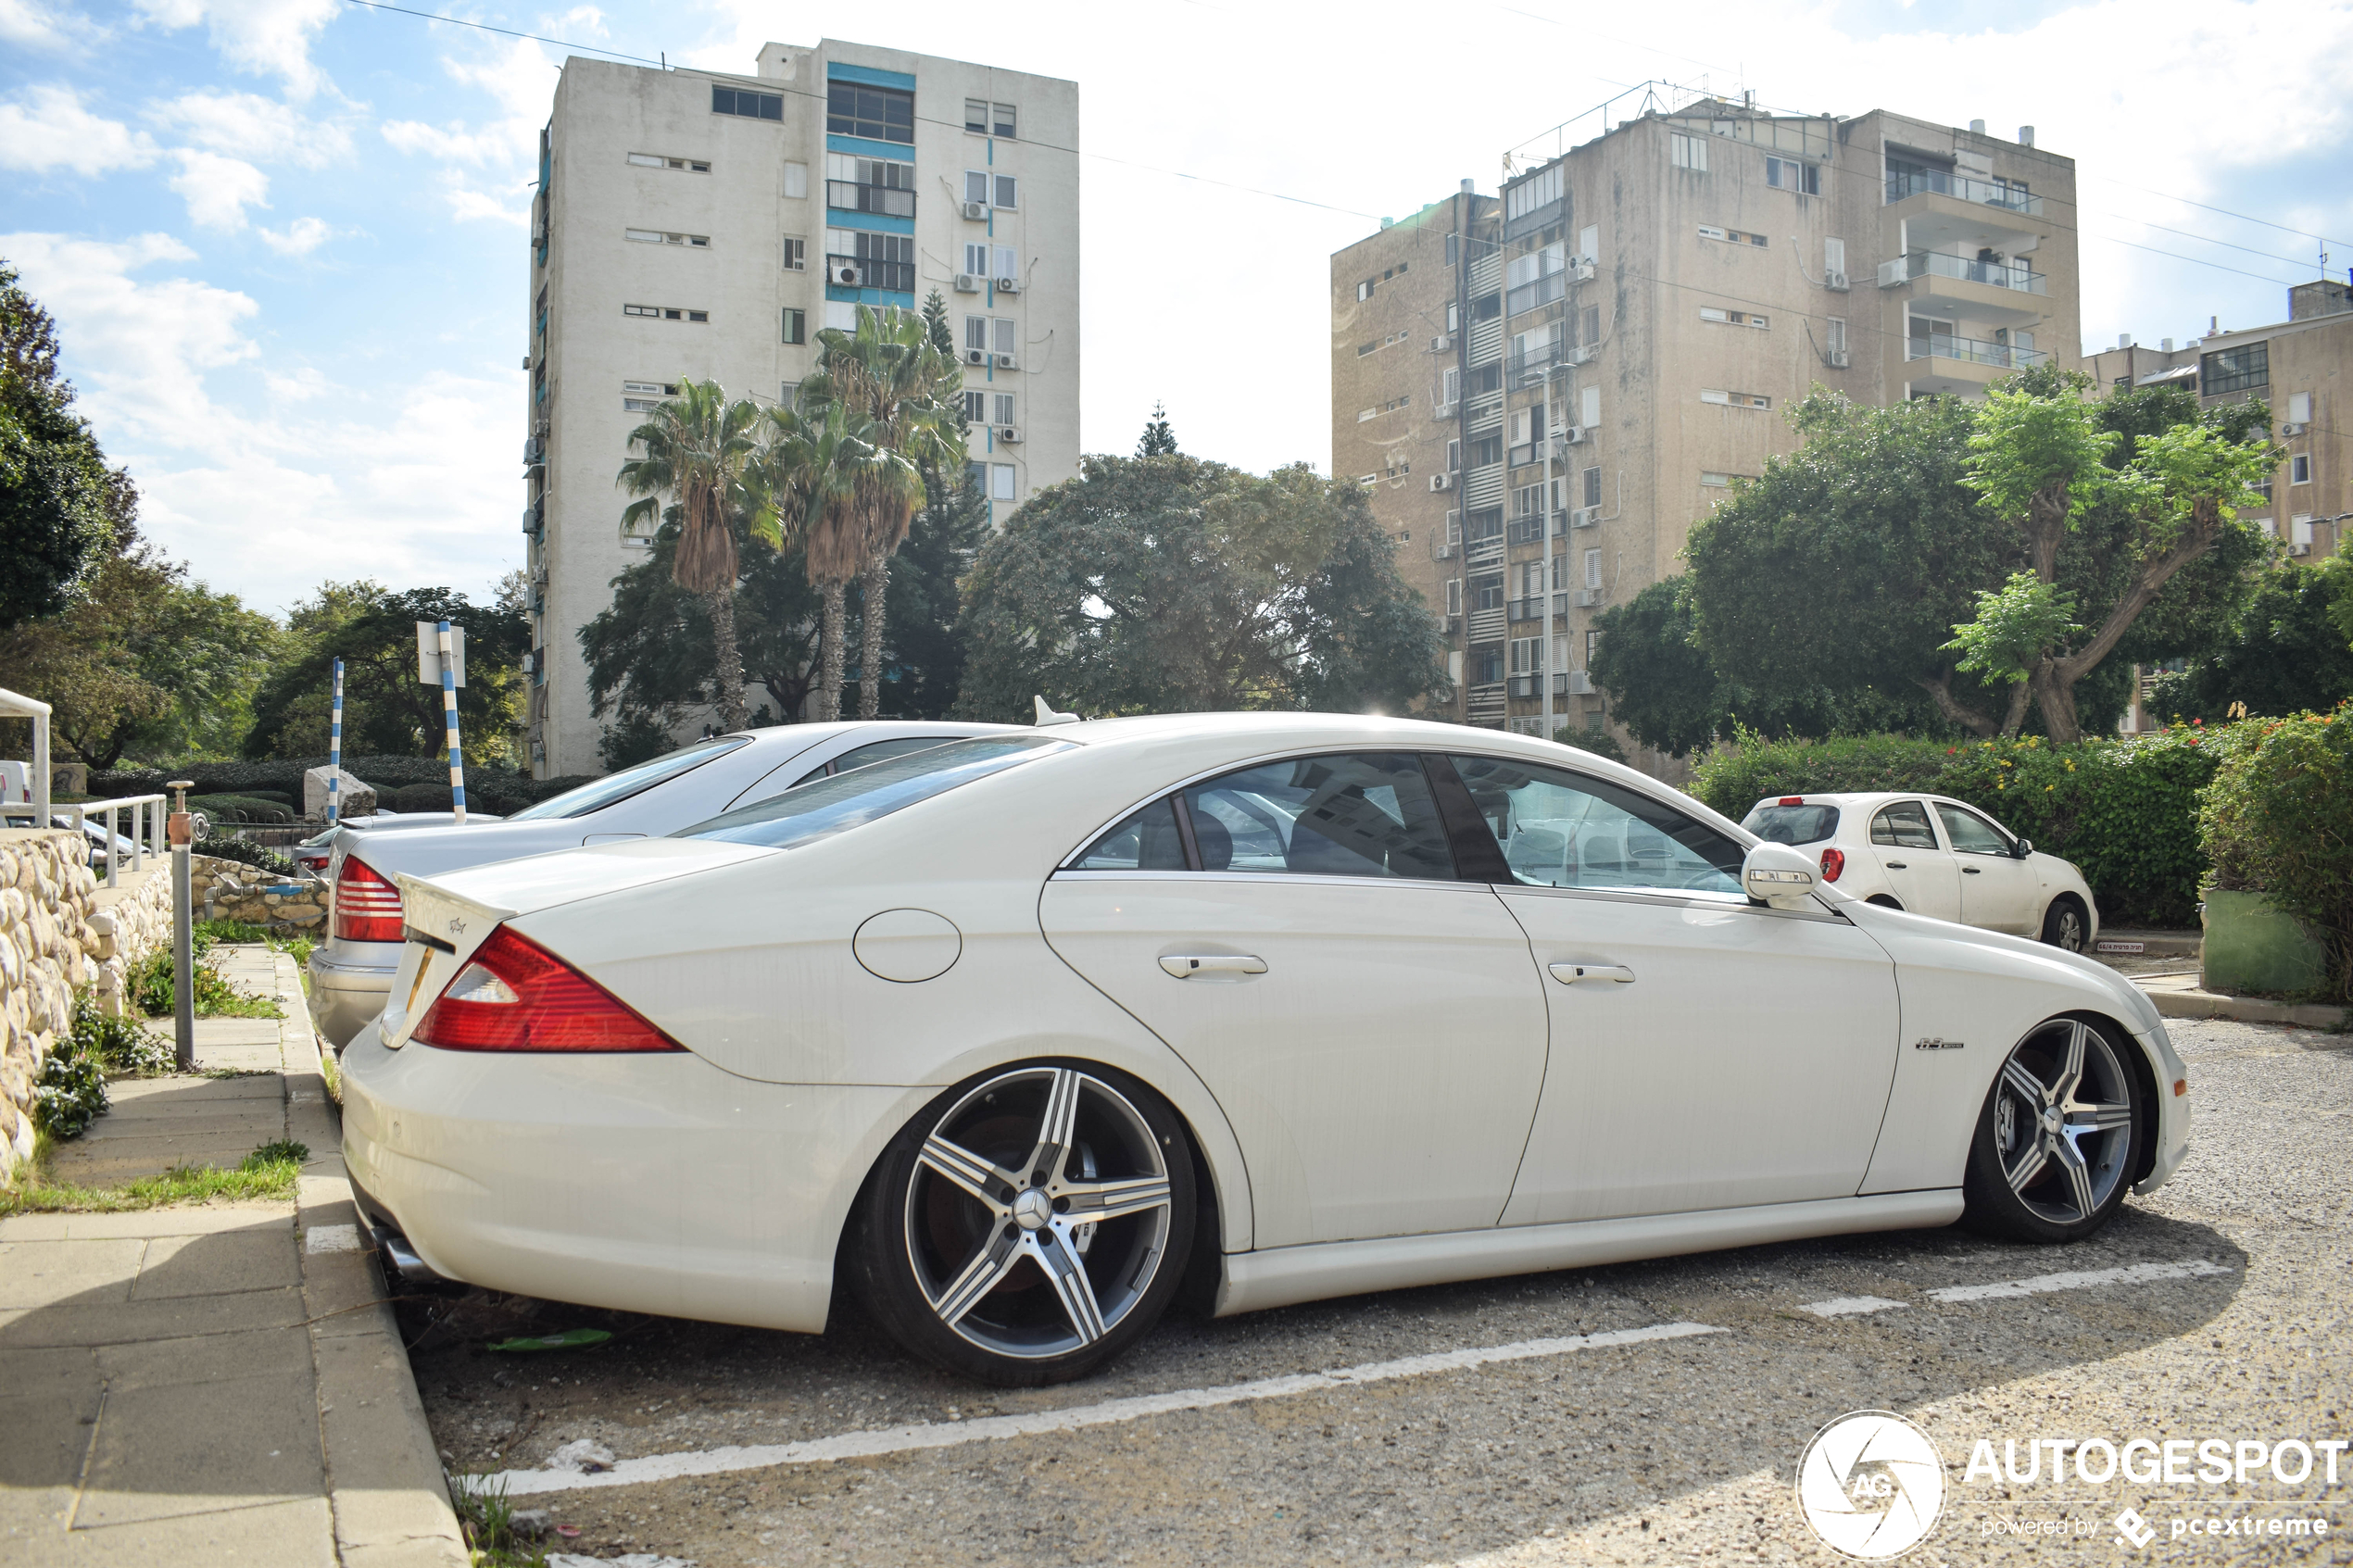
column 1048, row 716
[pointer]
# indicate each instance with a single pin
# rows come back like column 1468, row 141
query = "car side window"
column 1903, row 826
column 1561, row 829
column 1146, row 842
column 1970, row 833
column 1356, row 814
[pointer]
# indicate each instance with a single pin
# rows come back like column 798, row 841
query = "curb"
column 384, row 1483
column 2246, row 1010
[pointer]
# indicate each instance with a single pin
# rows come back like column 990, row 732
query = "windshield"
column 615, row 787
column 1776, row 823
column 825, row 807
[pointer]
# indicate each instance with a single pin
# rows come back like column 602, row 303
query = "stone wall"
column 46, row 945
column 240, row 892
column 127, row 922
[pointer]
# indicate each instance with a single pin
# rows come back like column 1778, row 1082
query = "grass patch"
column 268, row 1173
column 487, row 1519
column 152, row 989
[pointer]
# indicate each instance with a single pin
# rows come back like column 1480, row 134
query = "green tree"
column 61, row 508
column 700, row 449
column 2337, row 572
column 2285, row 654
column 649, row 652
column 1158, row 440
column 1175, row 584
column 387, row 711
column 143, row 662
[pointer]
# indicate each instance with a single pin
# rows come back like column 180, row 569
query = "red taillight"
column 1833, row 862
column 1792, row 800
column 515, row 996
column 367, row 905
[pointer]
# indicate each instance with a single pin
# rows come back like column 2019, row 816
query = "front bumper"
column 649, row 1183
column 2172, row 1109
column 346, row 993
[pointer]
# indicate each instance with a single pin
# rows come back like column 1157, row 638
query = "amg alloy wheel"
column 2057, row 1138
column 1030, row 1226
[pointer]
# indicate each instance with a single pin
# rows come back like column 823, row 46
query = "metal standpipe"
column 183, row 931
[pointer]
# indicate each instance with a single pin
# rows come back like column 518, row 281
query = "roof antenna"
column 1046, row 715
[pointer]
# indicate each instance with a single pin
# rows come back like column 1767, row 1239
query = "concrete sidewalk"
column 212, row 1384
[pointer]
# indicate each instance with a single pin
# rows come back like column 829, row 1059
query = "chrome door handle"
column 1183, row 966
column 1573, row 973
column 1969, row 870
column 1898, row 865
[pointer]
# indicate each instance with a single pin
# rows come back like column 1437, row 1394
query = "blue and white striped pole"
column 449, row 721
column 335, row 750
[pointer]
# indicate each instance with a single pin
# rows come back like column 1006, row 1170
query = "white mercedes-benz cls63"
column 1020, row 1034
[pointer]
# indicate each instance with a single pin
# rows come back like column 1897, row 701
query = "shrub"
column 222, row 846
column 239, row 808
column 421, row 798
column 153, row 992
column 71, row 1093
column 2278, row 819
column 1599, row 742
column 119, row 1045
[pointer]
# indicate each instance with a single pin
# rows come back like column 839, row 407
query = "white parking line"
column 942, row 1435
column 1849, row 1306
column 2134, row 1273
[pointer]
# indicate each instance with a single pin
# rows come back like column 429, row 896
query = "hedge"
column 2278, row 819
column 496, row 790
column 2123, row 809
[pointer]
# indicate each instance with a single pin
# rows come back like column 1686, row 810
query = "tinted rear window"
column 825, row 807
column 1791, row 824
column 613, row 788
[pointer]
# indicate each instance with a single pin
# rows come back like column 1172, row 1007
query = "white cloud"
column 523, row 80
column 246, row 125
column 46, row 129
column 260, row 37
column 467, row 203
column 453, row 145
column 28, row 24
column 218, row 190
column 299, row 238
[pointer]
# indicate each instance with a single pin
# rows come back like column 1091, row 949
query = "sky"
column 284, row 240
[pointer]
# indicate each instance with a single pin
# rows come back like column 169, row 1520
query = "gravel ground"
column 1671, row 1451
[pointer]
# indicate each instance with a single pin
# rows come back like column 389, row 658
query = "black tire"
column 2067, row 926
column 971, row 1262
column 2021, row 1183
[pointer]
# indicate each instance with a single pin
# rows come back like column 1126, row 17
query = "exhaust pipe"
column 399, row 1258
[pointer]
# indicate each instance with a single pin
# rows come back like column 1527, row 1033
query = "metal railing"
column 1976, row 351
column 1937, row 264
column 146, row 828
column 1984, row 193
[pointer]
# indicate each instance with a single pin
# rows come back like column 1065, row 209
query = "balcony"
column 1973, row 351
column 1532, row 608
column 1564, row 683
column 1935, row 263
column 1960, row 187
column 1540, row 292
column 882, row 200
column 1487, row 625
column 1530, row 369
column 1485, row 703
column 1483, row 487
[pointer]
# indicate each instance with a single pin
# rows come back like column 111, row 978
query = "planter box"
column 2252, row 946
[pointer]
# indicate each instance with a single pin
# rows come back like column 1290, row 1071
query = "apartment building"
column 1545, row 389
column 696, row 224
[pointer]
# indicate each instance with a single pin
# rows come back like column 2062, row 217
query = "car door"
column 1706, row 1054
column 1369, row 1024
column 1997, row 888
column 1920, row 872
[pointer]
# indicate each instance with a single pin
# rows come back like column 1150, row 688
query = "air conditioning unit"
column 2303, row 549
column 1584, row 353
column 2289, row 432
column 535, row 452
column 1445, row 552
column 1438, row 481
column 1574, row 436
column 1835, row 281
column 1441, row 344
column 1008, row 285
column 1839, row 359
column 967, row 283
column 1584, row 517
column 1010, row 434
column 1588, row 597
column 976, row 357
column 1008, row 362
column 976, row 212
column 1581, row 271
column 530, row 518
column 848, row 277
column 1580, row 682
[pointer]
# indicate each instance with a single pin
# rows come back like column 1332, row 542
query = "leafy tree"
column 924, row 651
column 61, row 508
column 2337, row 572
column 1171, row 583
column 387, row 711
column 143, row 662
column 2285, row 654
column 700, row 449
column 1158, row 440
column 649, row 652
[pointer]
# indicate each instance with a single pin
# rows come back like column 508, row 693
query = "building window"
column 878, row 114
column 1001, row 481
column 1486, row 449
column 976, row 407
column 1539, row 189
column 1735, row 399
column 1003, row 409
column 2299, row 469
column 656, row 160
column 2235, row 369
column 1834, row 260
column 796, row 326
column 663, row 237
column 1487, row 593
column 1454, row 456
column 797, row 181
column 870, row 185
column 1590, row 415
column 1836, row 340
column 796, row 253
column 1592, row 569
column 1454, row 249
column 1593, row 487
column 1486, row 377
column 1790, row 174
column 1007, row 188
column 855, row 258
column 1488, row 307
column 984, row 118
column 1687, row 152
column 1714, row 481
column 1732, row 318
column 1453, row 596
column 2299, row 532
column 751, row 106
column 985, row 260
column 665, row 313
column 1527, row 655
column 1453, row 317
column 988, row 334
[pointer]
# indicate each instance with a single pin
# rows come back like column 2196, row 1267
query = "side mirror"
column 2025, row 847
column 1778, row 875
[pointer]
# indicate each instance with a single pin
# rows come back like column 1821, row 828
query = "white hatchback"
column 1935, row 856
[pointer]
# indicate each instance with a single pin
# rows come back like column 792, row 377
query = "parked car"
column 352, row 970
column 317, row 852
column 93, row 828
column 1936, row 856
column 1020, row 1032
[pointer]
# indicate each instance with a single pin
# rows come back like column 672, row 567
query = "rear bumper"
column 349, row 991
column 649, row 1183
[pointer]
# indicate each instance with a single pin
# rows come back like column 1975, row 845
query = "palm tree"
column 902, row 389
column 700, row 451
column 813, row 469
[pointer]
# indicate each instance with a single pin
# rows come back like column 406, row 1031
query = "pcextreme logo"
column 1871, row 1485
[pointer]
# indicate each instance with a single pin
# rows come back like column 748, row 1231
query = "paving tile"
column 168, row 1452
column 209, row 1358
column 294, row 1534
column 186, row 1219
column 338, row 1289
column 388, row 1479
column 221, row 1264
column 41, row 1274
column 45, row 1438
column 33, row 1227
column 134, row 1091
column 186, row 1121
column 128, row 1322
column 236, row 1032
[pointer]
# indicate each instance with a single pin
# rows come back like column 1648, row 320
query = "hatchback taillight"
column 367, row 904
column 513, row 995
column 1833, row 862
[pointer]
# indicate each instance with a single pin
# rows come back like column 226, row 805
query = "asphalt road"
column 2217, row 1308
